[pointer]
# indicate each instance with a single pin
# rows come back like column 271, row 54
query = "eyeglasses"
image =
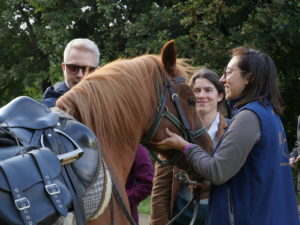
column 74, row 69
column 226, row 73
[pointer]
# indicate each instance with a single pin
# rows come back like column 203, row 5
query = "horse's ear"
column 168, row 57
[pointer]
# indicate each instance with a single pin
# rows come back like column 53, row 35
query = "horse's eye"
column 191, row 102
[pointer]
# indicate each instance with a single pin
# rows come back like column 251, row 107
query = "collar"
column 212, row 131
column 232, row 107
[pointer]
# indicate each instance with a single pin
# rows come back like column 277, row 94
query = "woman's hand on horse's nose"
column 174, row 141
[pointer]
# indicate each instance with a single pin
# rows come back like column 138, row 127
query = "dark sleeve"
column 49, row 97
column 232, row 153
column 296, row 148
column 143, row 176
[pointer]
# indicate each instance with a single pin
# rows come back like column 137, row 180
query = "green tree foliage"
column 271, row 26
column 32, row 38
column 35, row 32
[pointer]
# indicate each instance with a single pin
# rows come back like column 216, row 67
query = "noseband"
column 162, row 111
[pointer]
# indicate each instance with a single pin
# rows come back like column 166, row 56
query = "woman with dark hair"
column 169, row 195
column 249, row 171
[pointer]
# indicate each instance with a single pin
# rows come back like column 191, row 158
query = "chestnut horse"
column 119, row 102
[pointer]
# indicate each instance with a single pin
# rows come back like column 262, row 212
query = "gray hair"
column 82, row 43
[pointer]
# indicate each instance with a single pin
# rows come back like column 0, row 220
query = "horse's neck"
column 119, row 162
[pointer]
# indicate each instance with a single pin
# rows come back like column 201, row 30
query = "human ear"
column 220, row 97
column 248, row 79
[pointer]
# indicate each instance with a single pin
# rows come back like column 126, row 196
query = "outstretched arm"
column 229, row 156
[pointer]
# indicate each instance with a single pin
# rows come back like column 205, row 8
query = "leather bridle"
column 162, row 111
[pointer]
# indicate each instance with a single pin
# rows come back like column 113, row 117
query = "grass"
column 144, row 206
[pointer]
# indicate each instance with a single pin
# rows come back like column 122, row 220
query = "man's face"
column 75, row 65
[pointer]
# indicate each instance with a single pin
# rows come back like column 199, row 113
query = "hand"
column 174, row 141
column 293, row 161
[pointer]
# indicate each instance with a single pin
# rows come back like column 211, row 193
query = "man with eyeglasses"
column 81, row 56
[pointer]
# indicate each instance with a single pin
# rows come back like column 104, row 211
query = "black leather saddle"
column 27, row 120
column 26, row 124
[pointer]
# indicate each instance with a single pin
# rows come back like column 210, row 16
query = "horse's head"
column 176, row 108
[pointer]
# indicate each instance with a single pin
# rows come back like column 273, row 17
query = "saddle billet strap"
column 22, row 203
column 51, row 187
column 68, row 176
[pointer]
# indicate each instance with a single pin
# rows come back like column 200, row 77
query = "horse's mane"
column 121, row 96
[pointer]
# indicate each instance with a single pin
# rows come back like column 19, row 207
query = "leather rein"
column 162, row 111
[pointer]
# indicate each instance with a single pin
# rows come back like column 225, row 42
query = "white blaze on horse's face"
column 80, row 58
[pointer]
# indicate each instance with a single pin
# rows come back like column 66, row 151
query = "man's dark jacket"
column 53, row 93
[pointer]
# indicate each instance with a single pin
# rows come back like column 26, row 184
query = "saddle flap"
column 31, row 189
column 22, row 164
column 86, row 173
column 27, row 113
column 8, row 152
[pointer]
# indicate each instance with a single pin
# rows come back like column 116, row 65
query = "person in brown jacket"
column 169, row 195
